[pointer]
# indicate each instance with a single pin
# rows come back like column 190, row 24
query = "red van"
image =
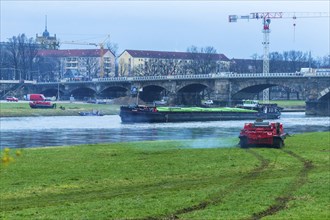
column 35, row 97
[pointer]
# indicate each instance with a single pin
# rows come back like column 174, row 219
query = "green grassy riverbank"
column 168, row 179
column 22, row 109
column 290, row 104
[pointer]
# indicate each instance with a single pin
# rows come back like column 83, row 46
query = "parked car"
column 101, row 101
column 160, row 102
column 96, row 101
column 208, row 102
column 12, row 99
column 50, row 98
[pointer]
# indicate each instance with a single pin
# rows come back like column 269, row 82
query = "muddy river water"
column 24, row 132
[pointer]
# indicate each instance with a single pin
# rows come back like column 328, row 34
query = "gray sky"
column 170, row 25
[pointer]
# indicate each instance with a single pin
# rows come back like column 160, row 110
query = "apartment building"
column 146, row 62
column 80, row 62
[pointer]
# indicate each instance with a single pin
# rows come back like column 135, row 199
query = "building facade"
column 82, row 63
column 148, row 63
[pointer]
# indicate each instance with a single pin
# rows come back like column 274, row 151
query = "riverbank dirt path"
column 280, row 201
column 287, row 195
column 218, row 198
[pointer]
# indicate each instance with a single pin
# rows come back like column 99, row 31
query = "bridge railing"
column 326, row 74
column 223, row 75
column 261, row 75
column 18, row 81
column 119, row 79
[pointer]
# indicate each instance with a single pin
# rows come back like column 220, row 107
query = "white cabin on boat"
column 250, row 103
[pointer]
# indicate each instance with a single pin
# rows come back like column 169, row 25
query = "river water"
column 24, row 132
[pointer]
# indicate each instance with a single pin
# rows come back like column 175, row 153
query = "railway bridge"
column 190, row 89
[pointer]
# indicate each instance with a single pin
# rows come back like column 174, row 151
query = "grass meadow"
column 168, row 180
column 22, row 109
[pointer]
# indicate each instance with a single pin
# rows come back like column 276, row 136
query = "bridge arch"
column 190, row 87
column 52, row 92
column 192, row 94
column 113, row 92
column 253, row 90
column 81, row 93
column 151, row 93
column 250, row 90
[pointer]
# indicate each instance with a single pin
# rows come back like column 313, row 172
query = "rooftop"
column 175, row 55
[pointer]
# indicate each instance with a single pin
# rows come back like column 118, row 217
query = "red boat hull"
column 42, row 104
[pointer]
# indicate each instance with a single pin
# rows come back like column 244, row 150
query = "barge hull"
column 129, row 116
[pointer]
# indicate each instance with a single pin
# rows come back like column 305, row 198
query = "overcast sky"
column 171, row 25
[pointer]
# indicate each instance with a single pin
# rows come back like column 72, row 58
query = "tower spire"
column 46, row 22
column 46, row 41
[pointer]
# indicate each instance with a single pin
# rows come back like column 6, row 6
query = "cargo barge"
column 141, row 113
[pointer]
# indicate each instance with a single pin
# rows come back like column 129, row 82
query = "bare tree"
column 14, row 56
column 151, row 67
column 22, row 51
column 48, row 68
column 202, row 60
column 325, row 61
column 113, row 47
column 92, row 67
column 32, row 51
column 6, row 69
column 159, row 67
column 123, row 68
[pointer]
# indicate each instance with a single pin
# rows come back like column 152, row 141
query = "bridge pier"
column 223, row 91
column 318, row 107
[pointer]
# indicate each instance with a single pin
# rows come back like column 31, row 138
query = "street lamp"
column 58, row 89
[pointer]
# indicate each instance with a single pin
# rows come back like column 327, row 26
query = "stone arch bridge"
column 190, row 89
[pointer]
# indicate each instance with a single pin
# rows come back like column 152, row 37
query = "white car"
column 161, row 102
column 208, row 102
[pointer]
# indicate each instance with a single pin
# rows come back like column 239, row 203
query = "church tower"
column 46, row 41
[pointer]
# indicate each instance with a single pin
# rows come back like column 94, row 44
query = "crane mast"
column 266, row 19
column 265, row 63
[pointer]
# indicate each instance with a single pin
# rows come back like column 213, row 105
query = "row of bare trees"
column 199, row 61
column 287, row 61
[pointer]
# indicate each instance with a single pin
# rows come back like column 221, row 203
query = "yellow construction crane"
column 79, row 43
column 266, row 18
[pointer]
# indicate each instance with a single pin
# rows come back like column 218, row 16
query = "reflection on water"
column 72, row 130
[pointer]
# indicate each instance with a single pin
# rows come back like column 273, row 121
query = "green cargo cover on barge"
column 142, row 113
column 200, row 109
